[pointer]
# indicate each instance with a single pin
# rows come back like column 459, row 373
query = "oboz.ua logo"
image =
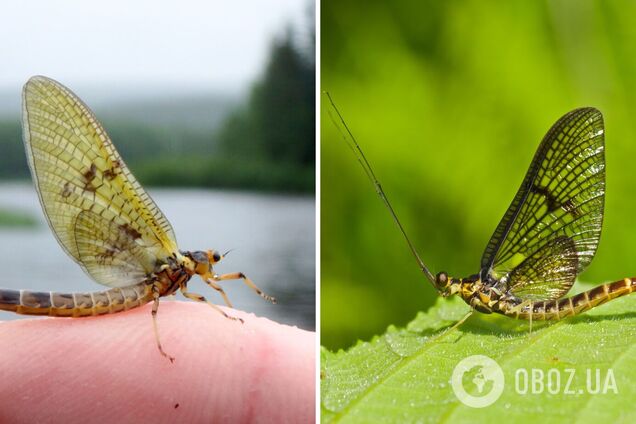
column 477, row 381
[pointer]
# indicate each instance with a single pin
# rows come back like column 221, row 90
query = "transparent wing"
column 548, row 273
column 562, row 195
column 76, row 168
column 109, row 254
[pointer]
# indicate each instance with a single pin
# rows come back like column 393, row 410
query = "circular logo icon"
column 477, row 381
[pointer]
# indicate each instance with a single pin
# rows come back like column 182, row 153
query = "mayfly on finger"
column 102, row 217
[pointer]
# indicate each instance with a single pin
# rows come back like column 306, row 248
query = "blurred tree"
column 278, row 122
column 267, row 143
column 13, row 162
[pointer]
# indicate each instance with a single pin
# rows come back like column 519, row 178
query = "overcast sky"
column 214, row 44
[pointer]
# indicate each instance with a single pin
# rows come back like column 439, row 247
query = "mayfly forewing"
column 76, row 168
column 562, row 195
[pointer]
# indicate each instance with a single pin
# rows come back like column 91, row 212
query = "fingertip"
column 221, row 368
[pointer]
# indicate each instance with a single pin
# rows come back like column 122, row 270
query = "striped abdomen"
column 569, row 306
column 75, row 304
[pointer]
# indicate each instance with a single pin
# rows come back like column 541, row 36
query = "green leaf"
column 404, row 375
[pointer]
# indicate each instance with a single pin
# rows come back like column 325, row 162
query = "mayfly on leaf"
column 102, row 217
column 548, row 235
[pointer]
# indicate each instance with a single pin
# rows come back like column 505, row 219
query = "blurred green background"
column 450, row 100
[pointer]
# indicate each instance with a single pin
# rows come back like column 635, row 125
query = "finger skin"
column 108, row 368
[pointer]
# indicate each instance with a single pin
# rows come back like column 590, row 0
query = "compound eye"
column 441, row 278
column 216, row 256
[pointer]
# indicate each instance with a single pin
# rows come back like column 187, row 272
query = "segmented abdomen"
column 569, row 306
column 75, row 304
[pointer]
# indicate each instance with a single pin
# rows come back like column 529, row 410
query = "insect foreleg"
column 199, row 298
column 461, row 321
column 210, row 282
column 241, row 276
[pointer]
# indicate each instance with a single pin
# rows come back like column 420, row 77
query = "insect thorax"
column 481, row 294
column 172, row 274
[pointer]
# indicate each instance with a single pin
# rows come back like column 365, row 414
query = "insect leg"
column 210, row 282
column 155, row 307
column 199, row 298
column 250, row 283
column 460, row 322
column 518, row 310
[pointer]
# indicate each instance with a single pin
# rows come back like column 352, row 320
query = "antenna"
column 355, row 148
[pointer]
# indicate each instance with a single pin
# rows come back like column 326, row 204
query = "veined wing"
column 76, row 168
column 109, row 254
column 548, row 274
column 562, row 195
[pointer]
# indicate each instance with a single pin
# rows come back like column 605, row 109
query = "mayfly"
column 548, row 235
column 102, row 217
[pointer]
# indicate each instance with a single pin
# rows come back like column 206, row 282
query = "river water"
column 273, row 237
